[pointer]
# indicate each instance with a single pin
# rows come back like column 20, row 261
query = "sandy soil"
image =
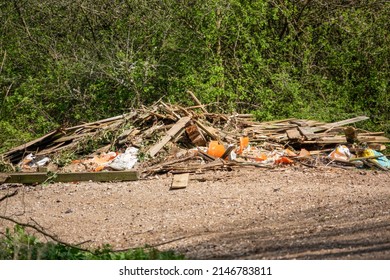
column 285, row 213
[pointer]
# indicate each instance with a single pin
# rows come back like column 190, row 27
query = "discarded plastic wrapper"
column 30, row 161
column 341, row 152
column 102, row 160
column 381, row 160
column 125, row 161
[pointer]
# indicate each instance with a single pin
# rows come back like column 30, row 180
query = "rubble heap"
column 172, row 138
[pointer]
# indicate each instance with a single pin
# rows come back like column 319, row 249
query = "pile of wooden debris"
column 172, row 138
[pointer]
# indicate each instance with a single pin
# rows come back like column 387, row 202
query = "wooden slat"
column 25, row 146
column 180, row 181
column 340, row 123
column 39, row 177
column 170, row 134
column 307, row 132
column 293, row 134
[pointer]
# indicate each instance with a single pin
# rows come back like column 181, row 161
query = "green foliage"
column 19, row 245
column 66, row 62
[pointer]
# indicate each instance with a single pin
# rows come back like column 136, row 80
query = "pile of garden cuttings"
column 170, row 138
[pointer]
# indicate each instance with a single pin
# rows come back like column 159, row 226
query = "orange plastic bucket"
column 215, row 149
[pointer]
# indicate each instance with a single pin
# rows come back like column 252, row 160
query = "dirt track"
column 242, row 214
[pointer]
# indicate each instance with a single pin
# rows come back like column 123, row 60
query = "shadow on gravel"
column 341, row 239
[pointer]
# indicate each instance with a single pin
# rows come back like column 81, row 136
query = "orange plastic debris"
column 215, row 149
column 261, row 157
column 244, row 142
column 284, row 160
column 99, row 168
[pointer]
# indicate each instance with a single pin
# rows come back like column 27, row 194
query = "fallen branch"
column 40, row 229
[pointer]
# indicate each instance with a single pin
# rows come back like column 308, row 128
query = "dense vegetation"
column 18, row 245
column 67, row 61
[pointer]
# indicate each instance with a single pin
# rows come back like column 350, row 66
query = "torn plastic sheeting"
column 30, row 161
column 382, row 160
column 102, row 160
column 125, row 161
column 341, row 152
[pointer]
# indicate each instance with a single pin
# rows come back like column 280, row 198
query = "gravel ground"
column 284, row 213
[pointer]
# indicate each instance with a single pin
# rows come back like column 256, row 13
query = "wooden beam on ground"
column 172, row 133
column 3, row 177
column 180, row 181
column 40, row 177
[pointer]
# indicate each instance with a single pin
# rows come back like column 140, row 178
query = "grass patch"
column 16, row 244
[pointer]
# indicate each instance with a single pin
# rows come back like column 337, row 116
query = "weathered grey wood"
column 22, row 148
column 40, row 177
column 293, row 134
column 307, row 132
column 340, row 123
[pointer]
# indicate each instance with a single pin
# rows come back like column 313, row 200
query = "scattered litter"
column 340, row 153
column 172, row 138
column 376, row 157
column 125, row 161
column 31, row 162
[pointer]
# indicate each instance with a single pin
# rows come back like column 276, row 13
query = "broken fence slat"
column 180, row 124
column 39, row 177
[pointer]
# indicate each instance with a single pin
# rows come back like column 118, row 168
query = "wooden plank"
column 37, row 141
column 210, row 131
column 377, row 146
column 123, row 117
column 293, row 134
column 3, row 177
column 40, row 177
column 72, row 137
column 373, row 139
column 343, row 140
column 307, row 132
column 180, row 181
column 340, row 123
column 179, row 126
column 195, row 135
